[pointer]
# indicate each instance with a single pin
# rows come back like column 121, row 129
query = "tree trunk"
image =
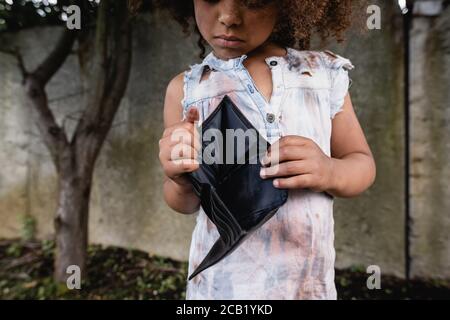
column 71, row 222
column 109, row 75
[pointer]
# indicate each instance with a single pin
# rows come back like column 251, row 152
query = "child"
column 299, row 102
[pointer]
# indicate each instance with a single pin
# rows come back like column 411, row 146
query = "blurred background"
column 81, row 113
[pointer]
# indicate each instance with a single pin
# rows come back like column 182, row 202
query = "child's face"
column 251, row 25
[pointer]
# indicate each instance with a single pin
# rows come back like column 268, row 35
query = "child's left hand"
column 298, row 162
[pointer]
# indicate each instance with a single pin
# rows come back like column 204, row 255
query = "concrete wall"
column 370, row 230
column 430, row 146
column 127, row 207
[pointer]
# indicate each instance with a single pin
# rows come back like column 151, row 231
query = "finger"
column 291, row 140
column 180, row 139
column 287, row 141
column 180, row 136
column 285, row 169
column 183, row 152
column 183, row 125
column 286, row 153
column 182, row 166
column 192, row 115
column 301, row 181
column 169, row 149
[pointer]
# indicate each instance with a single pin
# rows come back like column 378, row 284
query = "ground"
column 118, row 273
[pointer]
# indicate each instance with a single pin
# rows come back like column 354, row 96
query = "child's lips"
column 223, row 42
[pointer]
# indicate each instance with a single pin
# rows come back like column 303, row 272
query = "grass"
column 117, row 273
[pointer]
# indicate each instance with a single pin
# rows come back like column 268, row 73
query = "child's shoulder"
column 320, row 60
column 181, row 78
column 175, row 90
column 175, row 85
column 179, row 88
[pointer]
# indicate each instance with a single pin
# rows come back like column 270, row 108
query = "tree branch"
column 34, row 83
column 45, row 71
column 16, row 54
column 113, row 67
column 122, row 66
column 98, row 74
column 53, row 135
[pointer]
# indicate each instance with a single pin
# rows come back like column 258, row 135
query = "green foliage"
column 358, row 269
column 14, row 250
column 48, row 248
column 114, row 273
column 28, row 227
column 19, row 14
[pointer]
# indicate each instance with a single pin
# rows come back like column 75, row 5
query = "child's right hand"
column 179, row 147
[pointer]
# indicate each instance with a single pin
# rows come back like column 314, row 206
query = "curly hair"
column 298, row 22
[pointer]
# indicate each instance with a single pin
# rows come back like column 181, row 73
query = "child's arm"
column 178, row 191
column 298, row 162
column 354, row 168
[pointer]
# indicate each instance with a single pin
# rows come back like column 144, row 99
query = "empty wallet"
column 232, row 193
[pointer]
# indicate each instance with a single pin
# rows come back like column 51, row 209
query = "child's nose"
column 230, row 13
column 229, row 21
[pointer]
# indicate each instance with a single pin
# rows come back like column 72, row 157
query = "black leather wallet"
column 232, row 193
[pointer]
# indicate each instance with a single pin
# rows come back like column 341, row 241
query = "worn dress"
column 291, row 256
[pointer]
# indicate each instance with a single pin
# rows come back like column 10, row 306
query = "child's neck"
column 268, row 49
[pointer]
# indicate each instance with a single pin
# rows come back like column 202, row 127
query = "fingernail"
column 276, row 183
column 262, row 173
